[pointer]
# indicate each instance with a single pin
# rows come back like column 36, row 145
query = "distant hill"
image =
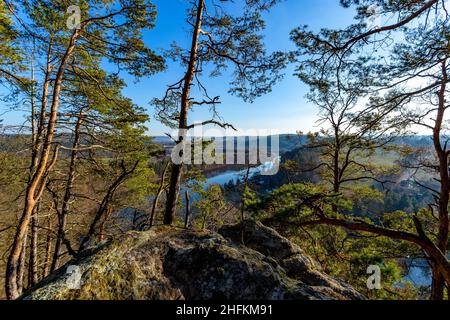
column 287, row 142
column 418, row 141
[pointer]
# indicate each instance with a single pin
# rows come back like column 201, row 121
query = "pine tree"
column 219, row 40
column 104, row 32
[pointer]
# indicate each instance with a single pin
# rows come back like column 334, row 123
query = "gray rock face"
column 247, row 261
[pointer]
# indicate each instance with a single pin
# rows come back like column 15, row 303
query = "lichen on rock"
column 247, row 261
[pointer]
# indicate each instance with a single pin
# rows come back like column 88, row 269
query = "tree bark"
column 438, row 283
column 336, row 169
column 37, row 183
column 188, row 209
column 48, row 249
column 38, row 132
column 101, row 228
column 174, row 186
column 33, row 261
column 158, row 195
column 34, row 148
column 21, row 267
column 67, row 195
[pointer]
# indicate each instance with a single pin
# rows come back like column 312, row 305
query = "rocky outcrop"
column 247, row 261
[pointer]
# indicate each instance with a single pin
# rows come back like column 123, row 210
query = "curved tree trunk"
column 102, row 212
column 439, row 260
column 36, row 185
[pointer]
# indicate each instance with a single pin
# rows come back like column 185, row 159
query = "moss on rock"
column 249, row 262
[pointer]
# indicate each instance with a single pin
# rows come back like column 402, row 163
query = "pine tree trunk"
column 48, row 249
column 32, row 264
column 158, row 194
column 437, row 286
column 172, row 198
column 67, row 195
column 438, row 283
column 21, row 267
column 188, row 210
column 36, row 185
column 33, row 261
column 174, row 187
column 101, row 232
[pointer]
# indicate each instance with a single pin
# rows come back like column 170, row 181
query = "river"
column 227, row 176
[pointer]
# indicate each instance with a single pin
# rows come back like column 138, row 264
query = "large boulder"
column 248, row 261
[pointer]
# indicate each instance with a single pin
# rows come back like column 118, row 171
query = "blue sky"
column 285, row 109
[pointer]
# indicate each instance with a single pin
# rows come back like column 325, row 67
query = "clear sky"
column 285, row 109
